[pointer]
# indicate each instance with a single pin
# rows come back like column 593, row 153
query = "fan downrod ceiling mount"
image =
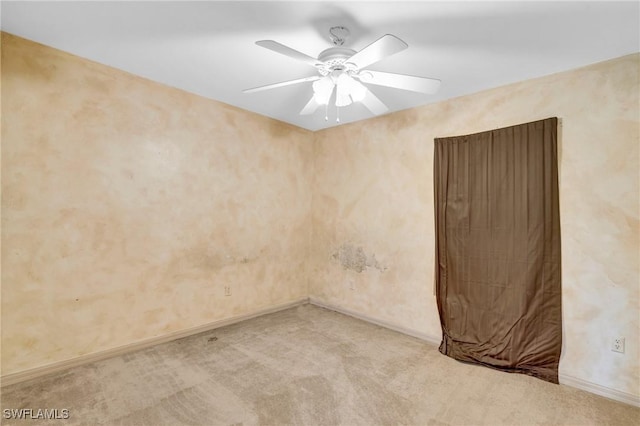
column 334, row 58
column 339, row 35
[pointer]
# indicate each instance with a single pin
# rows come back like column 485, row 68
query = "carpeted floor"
column 307, row 366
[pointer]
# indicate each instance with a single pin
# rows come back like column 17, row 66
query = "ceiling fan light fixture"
column 342, row 99
column 342, row 90
column 356, row 90
column 322, row 90
column 349, row 90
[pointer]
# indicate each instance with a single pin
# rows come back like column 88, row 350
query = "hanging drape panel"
column 498, row 281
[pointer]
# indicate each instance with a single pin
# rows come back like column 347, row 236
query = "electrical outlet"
column 227, row 290
column 618, row 344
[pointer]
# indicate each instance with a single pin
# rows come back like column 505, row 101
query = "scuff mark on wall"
column 355, row 259
column 207, row 257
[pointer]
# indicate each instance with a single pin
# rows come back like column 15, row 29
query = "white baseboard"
column 564, row 379
column 55, row 367
column 597, row 389
column 33, row 373
column 434, row 340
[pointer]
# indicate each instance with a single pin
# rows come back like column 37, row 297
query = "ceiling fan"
column 341, row 72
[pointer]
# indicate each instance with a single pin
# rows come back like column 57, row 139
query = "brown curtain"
column 498, row 248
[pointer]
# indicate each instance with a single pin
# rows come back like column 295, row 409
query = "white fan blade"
column 385, row 46
column 287, row 51
column 400, row 81
column 310, row 107
column 281, row 84
column 374, row 104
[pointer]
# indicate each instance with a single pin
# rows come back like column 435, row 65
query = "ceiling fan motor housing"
column 334, row 59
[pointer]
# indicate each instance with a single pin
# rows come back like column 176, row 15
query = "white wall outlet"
column 227, row 290
column 617, row 345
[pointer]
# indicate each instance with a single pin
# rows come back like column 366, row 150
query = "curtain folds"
column 498, row 280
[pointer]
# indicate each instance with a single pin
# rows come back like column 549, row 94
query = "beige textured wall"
column 127, row 206
column 373, row 210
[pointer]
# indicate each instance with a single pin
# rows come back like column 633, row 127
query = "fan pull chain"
column 326, row 112
column 337, row 114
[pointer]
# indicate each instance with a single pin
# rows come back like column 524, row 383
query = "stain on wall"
column 355, row 259
column 129, row 206
column 374, row 185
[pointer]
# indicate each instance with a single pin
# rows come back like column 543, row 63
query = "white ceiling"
column 208, row 47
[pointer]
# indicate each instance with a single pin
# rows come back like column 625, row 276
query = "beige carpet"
column 305, row 366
